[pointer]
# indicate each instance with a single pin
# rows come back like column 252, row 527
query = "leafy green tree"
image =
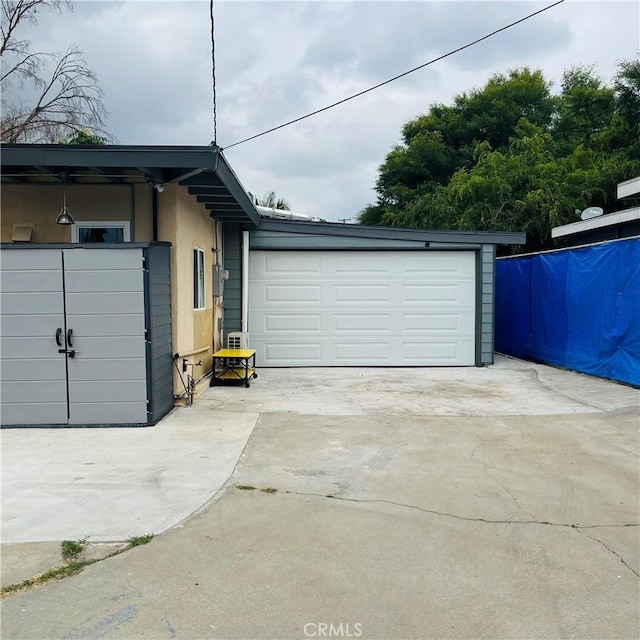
column 512, row 156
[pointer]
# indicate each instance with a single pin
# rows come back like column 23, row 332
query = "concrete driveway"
column 409, row 503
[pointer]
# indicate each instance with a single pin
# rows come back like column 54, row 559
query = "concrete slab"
column 110, row 484
column 510, row 387
column 458, row 503
column 20, row 562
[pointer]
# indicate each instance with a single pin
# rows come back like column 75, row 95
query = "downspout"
column 245, row 281
column 132, row 225
column 154, row 214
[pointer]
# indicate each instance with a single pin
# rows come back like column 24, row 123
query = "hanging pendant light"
column 64, row 217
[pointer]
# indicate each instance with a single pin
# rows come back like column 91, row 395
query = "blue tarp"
column 575, row 308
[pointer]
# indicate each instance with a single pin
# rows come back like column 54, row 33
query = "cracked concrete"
column 477, row 503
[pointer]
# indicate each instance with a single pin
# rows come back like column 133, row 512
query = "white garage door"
column 359, row 308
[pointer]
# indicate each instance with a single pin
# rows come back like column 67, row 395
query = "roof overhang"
column 628, row 188
column 204, row 171
column 601, row 222
column 394, row 233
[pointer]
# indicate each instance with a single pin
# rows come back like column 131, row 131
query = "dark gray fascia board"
column 80, row 245
column 107, row 156
column 394, row 233
column 203, row 166
column 230, row 180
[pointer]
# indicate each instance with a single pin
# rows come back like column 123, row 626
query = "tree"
column 45, row 96
column 271, row 200
column 511, row 156
column 436, row 144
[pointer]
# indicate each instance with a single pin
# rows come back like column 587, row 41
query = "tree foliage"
column 271, row 200
column 514, row 156
column 45, row 96
column 84, row 137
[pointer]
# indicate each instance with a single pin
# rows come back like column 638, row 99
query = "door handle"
column 69, row 333
column 58, row 334
column 70, row 352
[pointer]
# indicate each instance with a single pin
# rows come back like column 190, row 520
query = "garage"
column 324, row 294
column 359, row 308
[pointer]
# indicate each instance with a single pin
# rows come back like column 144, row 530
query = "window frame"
column 101, row 224
column 199, row 280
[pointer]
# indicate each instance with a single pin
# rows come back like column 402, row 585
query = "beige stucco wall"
column 39, row 205
column 182, row 221
column 188, row 225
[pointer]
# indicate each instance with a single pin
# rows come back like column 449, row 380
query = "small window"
column 198, row 279
column 100, row 232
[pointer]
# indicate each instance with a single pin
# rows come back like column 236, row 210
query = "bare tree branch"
column 65, row 95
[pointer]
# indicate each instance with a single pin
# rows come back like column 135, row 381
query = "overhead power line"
column 402, row 75
column 213, row 74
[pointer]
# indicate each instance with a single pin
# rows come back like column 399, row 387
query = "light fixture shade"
column 64, row 217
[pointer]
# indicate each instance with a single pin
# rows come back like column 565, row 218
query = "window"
column 198, row 279
column 100, row 231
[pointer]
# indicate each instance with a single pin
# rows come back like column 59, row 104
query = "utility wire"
column 406, row 73
column 213, row 75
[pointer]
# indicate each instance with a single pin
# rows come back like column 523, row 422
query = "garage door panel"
column 351, row 264
column 370, row 352
column 361, row 293
column 368, row 308
column 421, row 293
column 288, row 323
column 421, row 322
column 361, row 323
column 295, row 294
column 445, row 352
column 290, row 353
column 440, row 264
column 289, row 264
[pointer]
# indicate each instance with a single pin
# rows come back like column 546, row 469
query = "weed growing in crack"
column 136, row 541
column 71, row 549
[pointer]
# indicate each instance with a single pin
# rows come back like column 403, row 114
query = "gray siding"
column 158, row 302
column 280, row 240
column 486, row 287
column 232, row 258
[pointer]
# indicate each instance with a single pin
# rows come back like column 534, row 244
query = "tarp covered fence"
column 576, row 308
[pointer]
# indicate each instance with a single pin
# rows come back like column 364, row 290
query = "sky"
column 276, row 61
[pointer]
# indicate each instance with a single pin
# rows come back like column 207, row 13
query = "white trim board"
column 607, row 220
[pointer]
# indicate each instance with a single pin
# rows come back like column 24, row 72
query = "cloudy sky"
column 276, row 61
